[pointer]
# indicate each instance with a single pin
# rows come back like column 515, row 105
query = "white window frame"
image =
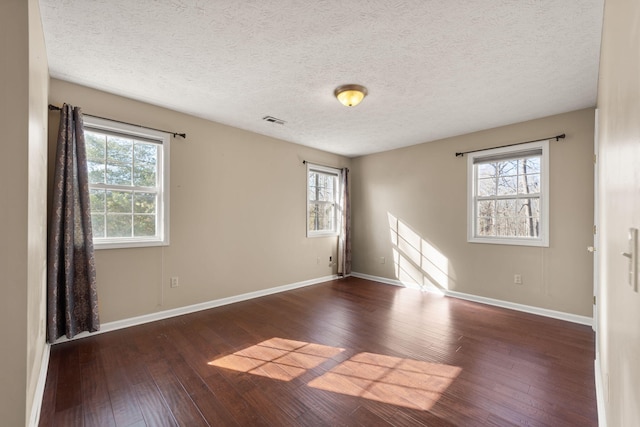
column 509, row 152
column 336, row 220
column 162, row 215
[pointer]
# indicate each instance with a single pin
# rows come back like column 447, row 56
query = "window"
column 128, row 184
column 323, row 184
column 508, row 195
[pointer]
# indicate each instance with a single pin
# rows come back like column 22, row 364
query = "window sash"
column 322, row 207
column 538, row 218
column 316, row 187
column 156, row 221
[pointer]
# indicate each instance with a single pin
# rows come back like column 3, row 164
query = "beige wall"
column 237, row 213
column 14, row 33
column 425, row 188
column 24, row 77
column 619, row 203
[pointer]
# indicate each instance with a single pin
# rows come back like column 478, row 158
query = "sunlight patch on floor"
column 398, row 381
column 278, row 358
column 394, row 380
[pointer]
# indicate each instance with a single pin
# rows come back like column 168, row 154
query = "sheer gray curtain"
column 344, row 241
column 72, row 299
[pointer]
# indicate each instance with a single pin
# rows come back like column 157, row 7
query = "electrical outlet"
column 381, row 260
column 175, row 282
column 517, row 279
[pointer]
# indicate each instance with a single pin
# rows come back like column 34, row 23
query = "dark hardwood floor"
column 349, row 352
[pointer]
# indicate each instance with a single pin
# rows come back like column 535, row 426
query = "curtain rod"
column 175, row 134
column 304, row 162
column 557, row 138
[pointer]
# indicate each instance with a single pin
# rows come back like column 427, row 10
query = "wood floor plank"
column 384, row 355
column 126, row 411
column 94, row 383
column 177, row 399
column 68, row 388
column 48, row 406
column 211, row 409
column 152, row 405
column 98, row 414
column 224, row 392
column 400, row 417
column 72, row 416
column 326, row 405
column 364, row 417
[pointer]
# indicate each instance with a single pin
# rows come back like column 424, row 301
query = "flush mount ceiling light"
column 350, row 95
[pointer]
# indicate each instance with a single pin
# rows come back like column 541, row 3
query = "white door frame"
column 596, row 229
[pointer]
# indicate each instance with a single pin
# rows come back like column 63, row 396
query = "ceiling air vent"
column 272, row 119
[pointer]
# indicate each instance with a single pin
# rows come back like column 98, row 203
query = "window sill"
column 129, row 244
column 510, row 241
column 330, row 234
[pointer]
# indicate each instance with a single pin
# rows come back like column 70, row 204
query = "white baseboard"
column 36, row 406
column 152, row 317
column 583, row 320
column 600, row 394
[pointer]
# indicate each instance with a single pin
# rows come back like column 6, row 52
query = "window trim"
column 163, row 205
column 513, row 151
column 329, row 171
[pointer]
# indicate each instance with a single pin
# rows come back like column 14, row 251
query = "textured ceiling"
column 433, row 68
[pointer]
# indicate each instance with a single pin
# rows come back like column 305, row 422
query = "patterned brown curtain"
column 344, row 241
column 72, row 298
